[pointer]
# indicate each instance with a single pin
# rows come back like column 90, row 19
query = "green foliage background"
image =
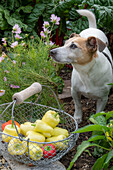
column 30, row 15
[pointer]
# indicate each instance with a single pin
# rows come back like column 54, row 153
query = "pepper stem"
column 55, row 115
column 47, row 148
column 33, row 124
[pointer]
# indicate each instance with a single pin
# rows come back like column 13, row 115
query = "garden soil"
column 86, row 160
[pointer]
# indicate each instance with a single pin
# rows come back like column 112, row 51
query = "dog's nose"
column 53, row 52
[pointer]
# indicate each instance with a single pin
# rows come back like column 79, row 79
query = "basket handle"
column 26, row 93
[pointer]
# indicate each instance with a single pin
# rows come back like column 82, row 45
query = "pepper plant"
column 101, row 140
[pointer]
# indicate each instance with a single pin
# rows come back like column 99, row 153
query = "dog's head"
column 78, row 50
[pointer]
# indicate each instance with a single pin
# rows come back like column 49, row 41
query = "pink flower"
column 2, row 92
column 16, row 29
column 4, row 39
column 17, row 37
column 5, row 79
column 14, row 86
column 45, row 24
column 6, row 71
column 23, row 63
column 14, row 62
column 42, row 34
column 46, row 31
column 50, row 43
column 15, row 44
column 55, row 19
column 23, row 44
column 1, row 59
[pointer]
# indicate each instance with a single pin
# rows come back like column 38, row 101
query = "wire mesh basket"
column 26, row 148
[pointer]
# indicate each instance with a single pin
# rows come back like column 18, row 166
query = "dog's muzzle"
column 53, row 52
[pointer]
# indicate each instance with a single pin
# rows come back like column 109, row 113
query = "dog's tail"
column 90, row 16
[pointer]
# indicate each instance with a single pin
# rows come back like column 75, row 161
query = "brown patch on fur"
column 87, row 53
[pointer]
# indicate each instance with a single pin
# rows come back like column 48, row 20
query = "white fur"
column 91, row 79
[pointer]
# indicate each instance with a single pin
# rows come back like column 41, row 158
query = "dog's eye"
column 73, row 46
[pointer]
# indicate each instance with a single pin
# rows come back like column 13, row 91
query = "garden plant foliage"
column 101, row 140
column 29, row 15
column 27, row 61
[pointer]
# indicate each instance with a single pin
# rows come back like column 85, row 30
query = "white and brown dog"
column 92, row 64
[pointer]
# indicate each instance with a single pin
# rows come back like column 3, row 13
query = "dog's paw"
column 79, row 120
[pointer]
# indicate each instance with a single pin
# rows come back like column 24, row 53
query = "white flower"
column 15, row 44
column 16, row 29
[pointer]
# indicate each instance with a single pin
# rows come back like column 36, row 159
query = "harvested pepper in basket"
column 35, row 152
column 9, row 123
column 42, row 127
column 35, row 136
column 9, row 130
column 58, row 145
column 49, row 151
column 60, row 131
column 17, row 147
column 51, row 118
column 24, row 128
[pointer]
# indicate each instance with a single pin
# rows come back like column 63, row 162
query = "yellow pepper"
column 9, row 130
column 35, row 136
column 43, row 127
column 48, row 135
column 24, row 128
column 17, row 147
column 59, row 145
column 35, row 152
column 60, row 131
column 51, row 118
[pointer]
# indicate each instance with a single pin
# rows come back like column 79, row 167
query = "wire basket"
column 29, row 151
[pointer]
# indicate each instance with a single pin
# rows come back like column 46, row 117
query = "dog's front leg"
column 78, row 108
column 101, row 103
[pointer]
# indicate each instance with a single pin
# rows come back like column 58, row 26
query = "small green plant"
column 101, row 140
column 27, row 60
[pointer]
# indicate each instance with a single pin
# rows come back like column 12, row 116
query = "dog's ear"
column 94, row 43
column 74, row 35
column 91, row 44
column 101, row 45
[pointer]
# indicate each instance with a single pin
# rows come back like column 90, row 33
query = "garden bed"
column 86, row 160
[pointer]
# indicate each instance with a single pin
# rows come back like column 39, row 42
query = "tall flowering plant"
column 46, row 34
column 26, row 60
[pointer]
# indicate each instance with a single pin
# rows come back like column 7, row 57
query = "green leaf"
column 90, row 128
column 99, row 163
column 109, row 156
column 36, row 12
column 25, row 9
column 96, row 137
column 12, row 21
column 80, row 149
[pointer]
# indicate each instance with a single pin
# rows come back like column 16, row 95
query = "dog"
column 92, row 64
